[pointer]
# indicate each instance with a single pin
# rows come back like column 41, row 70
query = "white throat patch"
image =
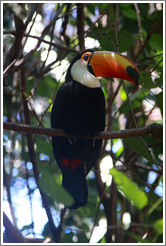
column 80, row 73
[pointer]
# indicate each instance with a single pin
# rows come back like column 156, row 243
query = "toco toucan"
column 79, row 109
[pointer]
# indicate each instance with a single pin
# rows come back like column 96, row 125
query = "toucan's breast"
column 87, row 110
column 79, row 109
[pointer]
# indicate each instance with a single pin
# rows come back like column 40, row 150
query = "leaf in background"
column 156, row 41
column 123, row 95
column 136, row 144
column 48, row 184
column 130, row 189
column 43, row 145
column 46, row 86
column 136, row 101
column 159, row 81
column 158, row 226
column 128, row 11
column 156, row 145
column 108, row 41
column 125, row 40
column 160, row 101
column 145, row 80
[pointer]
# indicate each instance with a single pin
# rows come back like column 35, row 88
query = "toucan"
column 79, row 109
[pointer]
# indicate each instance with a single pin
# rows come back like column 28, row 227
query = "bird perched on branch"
column 79, row 109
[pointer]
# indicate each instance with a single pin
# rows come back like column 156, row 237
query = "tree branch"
column 80, row 25
column 139, row 22
column 32, row 154
column 155, row 130
column 59, row 46
column 13, row 235
column 65, row 23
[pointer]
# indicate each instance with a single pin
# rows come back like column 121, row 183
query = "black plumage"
column 78, row 110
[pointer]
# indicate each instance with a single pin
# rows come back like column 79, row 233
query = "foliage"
column 44, row 38
column 130, row 189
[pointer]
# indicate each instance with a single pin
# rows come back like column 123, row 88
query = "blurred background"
column 39, row 42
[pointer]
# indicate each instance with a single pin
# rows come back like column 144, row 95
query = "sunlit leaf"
column 158, row 226
column 123, row 95
column 130, row 189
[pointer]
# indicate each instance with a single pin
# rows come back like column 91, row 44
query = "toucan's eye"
column 86, row 57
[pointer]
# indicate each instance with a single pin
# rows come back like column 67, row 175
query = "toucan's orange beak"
column 111, row 64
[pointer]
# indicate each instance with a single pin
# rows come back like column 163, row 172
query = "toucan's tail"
column 74, row 182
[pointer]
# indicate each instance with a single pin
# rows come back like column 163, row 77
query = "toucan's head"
column 89, row 65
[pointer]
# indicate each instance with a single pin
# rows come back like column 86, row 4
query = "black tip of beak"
column 133, row 73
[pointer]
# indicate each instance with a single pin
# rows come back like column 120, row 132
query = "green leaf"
column 159, row 81
column 145, row 80
column 136, row 144
column 49, row 185
column 136, row 101
column 160, row 101
column 43, row 146
column 130, row 189
column 156, row 147
column 125, row 40
column 129, row 13
column 123, row 95
column 108, row 40
column 156, row 41
column 46, row 86
column 158, row 226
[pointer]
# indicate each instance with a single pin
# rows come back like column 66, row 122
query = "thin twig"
column 148, row 58
column 95, row 220
column 8, row 68
column 156, row 66
column 139, row 22
column 112, row 227
column 59, row 46
column 148, row 168
column 116, row 26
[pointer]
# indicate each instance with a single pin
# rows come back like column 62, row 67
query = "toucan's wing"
column 60, row 109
